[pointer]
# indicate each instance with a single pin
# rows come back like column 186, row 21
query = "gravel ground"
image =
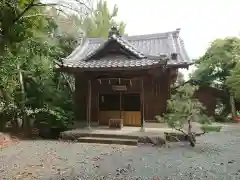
column 216, row 156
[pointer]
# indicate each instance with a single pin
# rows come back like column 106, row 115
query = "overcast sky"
column 201, row 21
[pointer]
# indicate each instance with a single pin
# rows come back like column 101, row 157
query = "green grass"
column 211, row 128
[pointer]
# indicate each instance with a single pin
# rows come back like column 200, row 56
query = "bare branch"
column 32, row 4
column 60, row 10
column 34, row 15
column 180, row 130
column 174, row 137
column 60, row 5
column 69, row 84
column 29, row 6
column 11, row 6
column 83, row 4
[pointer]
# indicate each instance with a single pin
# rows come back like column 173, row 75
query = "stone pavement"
column 151, row 129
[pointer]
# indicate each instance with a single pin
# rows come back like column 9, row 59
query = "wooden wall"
column 80, row 97
column 208, row 97
column 156, row 93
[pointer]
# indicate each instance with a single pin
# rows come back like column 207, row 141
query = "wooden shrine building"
column 125, row 77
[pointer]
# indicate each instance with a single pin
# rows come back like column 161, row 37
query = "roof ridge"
column 119, row 40
column 82, row 47
column 129, row 46
column 137, row 37
column 151, row 36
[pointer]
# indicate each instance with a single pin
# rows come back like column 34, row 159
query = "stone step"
column 117, row 136
column 98, row 135
column 104, row 140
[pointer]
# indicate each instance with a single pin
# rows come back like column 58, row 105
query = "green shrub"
column 184, row 109
column 55, row 118
column 220, row 119
column 211, row 128
column 159, row 119
column 204, row 119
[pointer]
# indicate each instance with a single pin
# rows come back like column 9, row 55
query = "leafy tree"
column 26, row 77
column 216, row 64
column 233, row 80
column 180, row 79
column 183, row 109
column 31, row 41
column 101, row 20
column 22, row 19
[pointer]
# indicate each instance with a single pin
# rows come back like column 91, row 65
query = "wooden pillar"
column 120, row 95
column 142, row 105
column 89, row 104
column 81, row 98
column 168, row 77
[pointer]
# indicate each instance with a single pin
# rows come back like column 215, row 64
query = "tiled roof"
column 125, row 44
column 116, row 62
column 149, row 50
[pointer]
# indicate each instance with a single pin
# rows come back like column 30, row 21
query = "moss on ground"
column 211, row 128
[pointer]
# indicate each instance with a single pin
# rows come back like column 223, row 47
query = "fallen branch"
column 190, row 137
column 180, row 130
column 199, row 134
column 174, row 138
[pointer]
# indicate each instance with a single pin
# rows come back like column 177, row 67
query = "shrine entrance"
column 123, row 105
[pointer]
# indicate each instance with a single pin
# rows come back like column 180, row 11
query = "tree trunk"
column 191, row 136
column 12, row 118
column 2, row 122
column 233, row 108
column 25, row 122
column 15, row 124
